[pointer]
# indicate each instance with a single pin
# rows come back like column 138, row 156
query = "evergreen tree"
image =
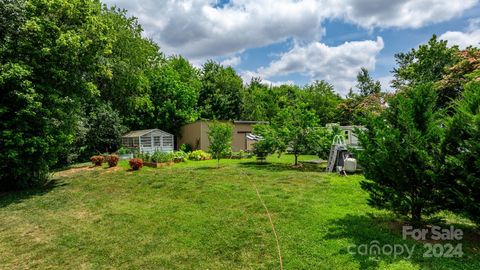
column 462, row 152
column 401, row 154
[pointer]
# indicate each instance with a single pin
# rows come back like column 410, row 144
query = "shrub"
column 144, row 156
column 97, row 160
column 179, row 156
column 199, row 155
column 136, row 163
column 187, row 148
column 124, row 151
column 112, row 160
column 162, row 157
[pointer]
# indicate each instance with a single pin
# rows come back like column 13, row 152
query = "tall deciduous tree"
column 175, row 88
column 428, row 63
column 130, row 60
column 401, row 154
column 321, row 98
column 50, row 61
column 467, row 68
column 259, row 101
column 221, row 94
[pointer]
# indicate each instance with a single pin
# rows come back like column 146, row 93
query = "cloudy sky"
column 298, row 41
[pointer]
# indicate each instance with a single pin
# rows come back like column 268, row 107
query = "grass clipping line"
column 269, row 218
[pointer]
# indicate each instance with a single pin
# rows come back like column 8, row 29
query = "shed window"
column 146, row 141
column 156, row 141
column 168, row 141
column 129, row 142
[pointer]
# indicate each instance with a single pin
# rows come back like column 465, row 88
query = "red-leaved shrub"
column 112, row 160
column 97, row 160
column 136, row 163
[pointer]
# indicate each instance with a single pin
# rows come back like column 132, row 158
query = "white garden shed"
column 148, row 140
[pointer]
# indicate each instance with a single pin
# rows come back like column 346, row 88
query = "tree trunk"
column 296, row 159
column 416, row 214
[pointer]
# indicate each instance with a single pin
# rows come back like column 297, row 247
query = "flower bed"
column 158, row 164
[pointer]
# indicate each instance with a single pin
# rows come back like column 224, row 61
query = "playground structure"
column 340, row 157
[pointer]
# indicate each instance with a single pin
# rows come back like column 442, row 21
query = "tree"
column 322, row 140
column 356, row 109
column 366, row 84
column 131, row 59
column 220, row 137
column 428, row 63
column 105, row 129
column 293, row 129
column 268, row 144
column 50, row 62
column 220, row 96
column 321, row 98
column 175, row 88
column 259, row 101
column 462, row 150
column 467, row 68
column 401, row 154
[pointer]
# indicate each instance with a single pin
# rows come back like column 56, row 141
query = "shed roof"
column 249, row 122
column 139, row 133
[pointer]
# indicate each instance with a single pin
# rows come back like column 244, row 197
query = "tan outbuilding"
column 196, row 135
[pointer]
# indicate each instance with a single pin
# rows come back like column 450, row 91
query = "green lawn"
column 195, row 216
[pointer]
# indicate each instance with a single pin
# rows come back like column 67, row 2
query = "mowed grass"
column 196, row 216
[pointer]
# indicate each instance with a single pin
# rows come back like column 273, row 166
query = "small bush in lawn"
column 136, row 163
column 199, row 155
column 112, row 160
column 97, row 160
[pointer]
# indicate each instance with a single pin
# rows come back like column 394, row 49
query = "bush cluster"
column 161, row 157
column 164, row 157
column 97, row 160
column 136, row 163
column 180, row 156
column 199, row 155
column 112, row 160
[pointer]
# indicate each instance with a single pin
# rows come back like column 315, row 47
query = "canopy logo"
column 430, row 250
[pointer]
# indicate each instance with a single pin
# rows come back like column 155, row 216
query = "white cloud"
column 232, row 61
column 385, row 81
column 247, row 75
column 338, row 65
column 471, row 37
column 198, row 29
column 401, row 13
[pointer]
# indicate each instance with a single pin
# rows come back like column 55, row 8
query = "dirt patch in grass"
column 83, row 215
column 112, row 169
column 73, row 171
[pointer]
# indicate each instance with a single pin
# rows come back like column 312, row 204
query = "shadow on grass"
column 381, row 230
column 209, row 168
column 14, row 197
column 276, row 167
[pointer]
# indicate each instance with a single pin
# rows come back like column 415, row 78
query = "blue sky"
column 299, row 41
